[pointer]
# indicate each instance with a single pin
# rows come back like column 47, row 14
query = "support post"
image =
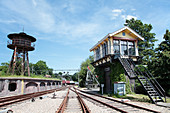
column 102, row 85
column 28, row 64
column 14, row 60
column 32, row 69
column 111, row 42
column 108, row 46
column 136, row 48
column 23, row 64
column 10, row 65
column 101, row 51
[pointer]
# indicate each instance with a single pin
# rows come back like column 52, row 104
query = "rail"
column 83, row 105
column 14, row 99
column 65, row 100
column 112, row 99
column 63, row 104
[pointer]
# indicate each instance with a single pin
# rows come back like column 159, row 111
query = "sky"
column 66, row 29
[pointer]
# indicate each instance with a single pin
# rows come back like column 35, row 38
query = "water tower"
column 20, row 43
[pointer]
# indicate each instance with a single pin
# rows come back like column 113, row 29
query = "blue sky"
column 66, row 29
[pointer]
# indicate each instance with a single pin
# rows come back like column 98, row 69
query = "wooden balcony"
column 21, row 44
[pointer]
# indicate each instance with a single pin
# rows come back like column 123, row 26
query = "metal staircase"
column 155, row 92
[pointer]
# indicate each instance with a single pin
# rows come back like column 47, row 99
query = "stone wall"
column 18, row 86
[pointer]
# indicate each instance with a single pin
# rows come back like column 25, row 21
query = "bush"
column 139, row 88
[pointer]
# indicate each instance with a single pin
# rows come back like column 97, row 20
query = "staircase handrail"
column 154, row 79
column 141, row 72
column 137, row 72
column 122, row 61
column 157, row 84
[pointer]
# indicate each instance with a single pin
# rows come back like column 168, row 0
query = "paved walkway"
column 163, row 104
column 95, row 91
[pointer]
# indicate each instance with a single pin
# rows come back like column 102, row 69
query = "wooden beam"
column 28, row 64
column 14, row 61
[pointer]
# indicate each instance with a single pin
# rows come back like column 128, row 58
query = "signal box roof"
column 22, row 34
column 130, row 31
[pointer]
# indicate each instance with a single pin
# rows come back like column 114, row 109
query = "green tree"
column 4, row 67
column 83, row 70
column 40, row 67
column 60, row 73
column 31, row 65
column 75, row 77
column 162, row 59
column 50, row 71
column 146, row 47
column 160, row 64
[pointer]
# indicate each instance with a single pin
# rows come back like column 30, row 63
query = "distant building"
column 48, row 76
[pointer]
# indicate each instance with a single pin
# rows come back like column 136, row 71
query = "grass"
column 167, row 100
column 132, row 97
column 32, row 76
column 138, row 98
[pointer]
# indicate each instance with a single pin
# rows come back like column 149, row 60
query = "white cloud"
column 117, row 10
column 25, row 13
column 7, row 21
column 75, row 33
column 57, row 24
column 116, row 13
column 2, row 43
column 122, row 13
column 128, row 17
column 133, row 9
column 34, row 2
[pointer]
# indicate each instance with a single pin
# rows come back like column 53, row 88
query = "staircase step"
column 147, row 85
column 153, row 94
column 152, row 91
column 141, row 77
column 149, row 89
column 157, row 96
column 158, row 100
column 142, row 80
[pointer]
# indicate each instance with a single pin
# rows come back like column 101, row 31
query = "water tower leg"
column 23, row 64
column 28, row 64
column 10, row 65
column 14, row 60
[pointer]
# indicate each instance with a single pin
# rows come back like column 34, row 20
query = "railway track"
column 14, row 99
column 119, row 106
column 73, row 103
